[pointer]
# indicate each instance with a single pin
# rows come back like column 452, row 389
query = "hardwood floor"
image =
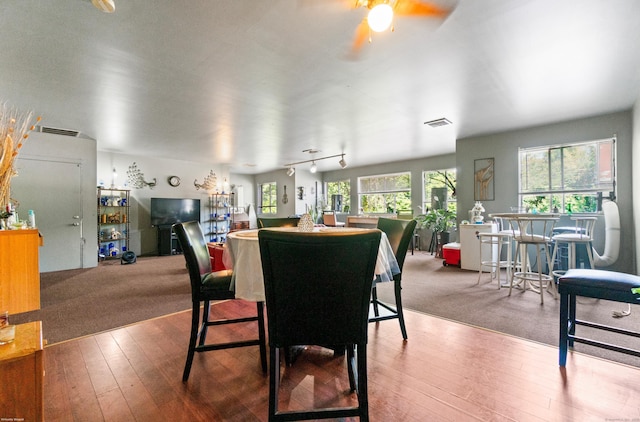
column 446, row 371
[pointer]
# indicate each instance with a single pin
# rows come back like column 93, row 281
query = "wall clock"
column 174, row 181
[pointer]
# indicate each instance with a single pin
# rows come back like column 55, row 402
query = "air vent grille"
column 57, row 131
column 438, row 122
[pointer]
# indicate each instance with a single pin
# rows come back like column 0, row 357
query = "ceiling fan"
column 382, row 13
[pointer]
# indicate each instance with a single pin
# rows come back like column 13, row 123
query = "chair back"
column 318, row 285
column 399, row 233
column 194, row 248
column 329, row 218
column 278, row 222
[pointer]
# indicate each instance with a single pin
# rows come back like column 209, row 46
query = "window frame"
column 272, row 202
column 450, row 201
column 556, row 196
column 346, row 197
column 384, row 192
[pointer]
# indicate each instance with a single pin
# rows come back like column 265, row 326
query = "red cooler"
column 451, row 254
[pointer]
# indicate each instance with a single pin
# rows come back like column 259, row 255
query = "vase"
column 306, row 223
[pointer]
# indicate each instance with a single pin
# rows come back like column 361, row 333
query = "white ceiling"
column 250, row 84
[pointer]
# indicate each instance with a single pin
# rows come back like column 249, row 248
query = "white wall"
column 143, row 237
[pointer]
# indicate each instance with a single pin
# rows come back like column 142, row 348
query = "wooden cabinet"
column 470, row 245
column 22, row 375
column 113, row 222
column 19, row 271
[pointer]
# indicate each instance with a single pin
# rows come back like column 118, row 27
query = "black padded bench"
column 599, row 284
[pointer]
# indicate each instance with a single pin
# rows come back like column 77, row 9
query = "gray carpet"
column 452, row 293
column 76, row 303
column 81, row 302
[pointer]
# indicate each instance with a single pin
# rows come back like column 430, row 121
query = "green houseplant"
column 439, row 221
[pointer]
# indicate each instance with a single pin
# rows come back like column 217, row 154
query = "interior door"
column 53, row 190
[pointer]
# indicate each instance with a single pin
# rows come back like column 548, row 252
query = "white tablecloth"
column 242, row 253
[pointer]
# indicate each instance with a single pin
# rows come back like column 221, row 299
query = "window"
column 439, row 190
column 387, row 193
column 268, row 198
column 567, row 178
column 341, row 187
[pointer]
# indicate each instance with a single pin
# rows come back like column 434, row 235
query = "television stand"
column 167, row 241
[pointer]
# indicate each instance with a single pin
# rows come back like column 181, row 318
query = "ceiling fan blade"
column 362, row 34
column 418, row 8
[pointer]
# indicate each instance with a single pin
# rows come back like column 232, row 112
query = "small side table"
column 22, row 369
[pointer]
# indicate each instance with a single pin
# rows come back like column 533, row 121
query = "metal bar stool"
column 582, row 234
column 533, row 230
column 496, row 241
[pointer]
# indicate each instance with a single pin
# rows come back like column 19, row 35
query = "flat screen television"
column 168, row 211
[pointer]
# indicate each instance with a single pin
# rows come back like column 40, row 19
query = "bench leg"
column 564, row 328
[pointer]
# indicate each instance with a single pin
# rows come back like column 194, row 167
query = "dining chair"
column 312, row 303
column 400, row 234
column 278, row 222
column 329, row 219
column 208, row 285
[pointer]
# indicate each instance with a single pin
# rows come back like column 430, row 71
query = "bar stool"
column 496, row 241
column 581, row 235
column 533, row 230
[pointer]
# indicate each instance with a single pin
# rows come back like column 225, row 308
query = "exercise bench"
column 598, row 284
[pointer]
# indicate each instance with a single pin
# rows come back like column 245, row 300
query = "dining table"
column 242, row 254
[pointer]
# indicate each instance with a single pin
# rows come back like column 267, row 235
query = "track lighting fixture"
column 291, row 169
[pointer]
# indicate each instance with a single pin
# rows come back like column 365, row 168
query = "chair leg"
column 195, row 322
column 564, row 329
column 398, row 291
column 363, row 389
column 262, row 337
column 205, row 319
column 374, row 301
column 351, row 367
column 274, row 380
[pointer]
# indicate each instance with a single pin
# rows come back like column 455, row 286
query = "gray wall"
column 80, row 150
column 504, row 148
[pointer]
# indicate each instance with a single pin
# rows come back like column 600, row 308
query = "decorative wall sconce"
column 136, row 178
column 210, row 182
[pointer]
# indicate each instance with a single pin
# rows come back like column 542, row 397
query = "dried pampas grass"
column 14, row 130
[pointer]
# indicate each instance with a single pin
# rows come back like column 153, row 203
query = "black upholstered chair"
column 205, row 287
column 400, row 234
column 317, row 288
column 278, row 222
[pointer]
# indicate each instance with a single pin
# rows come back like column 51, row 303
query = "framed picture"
column 301, row 194
column 483, row 175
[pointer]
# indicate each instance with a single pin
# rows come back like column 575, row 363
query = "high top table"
column 242, row 254
column 532, row 229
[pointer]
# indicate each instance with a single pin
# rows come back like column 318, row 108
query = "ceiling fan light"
column 291, row 171
column 313, row 168
column 106, row 6
column 380, row 17
column 342, row 163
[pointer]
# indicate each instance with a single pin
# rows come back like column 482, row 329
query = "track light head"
column 106, row 6
column 313, row 168
column 342, row 163
column 291, row 171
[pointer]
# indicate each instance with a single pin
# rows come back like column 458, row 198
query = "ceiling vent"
column 438, row 122
column 56, row 131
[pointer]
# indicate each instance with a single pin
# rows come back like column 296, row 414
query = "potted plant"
column 439, row 221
